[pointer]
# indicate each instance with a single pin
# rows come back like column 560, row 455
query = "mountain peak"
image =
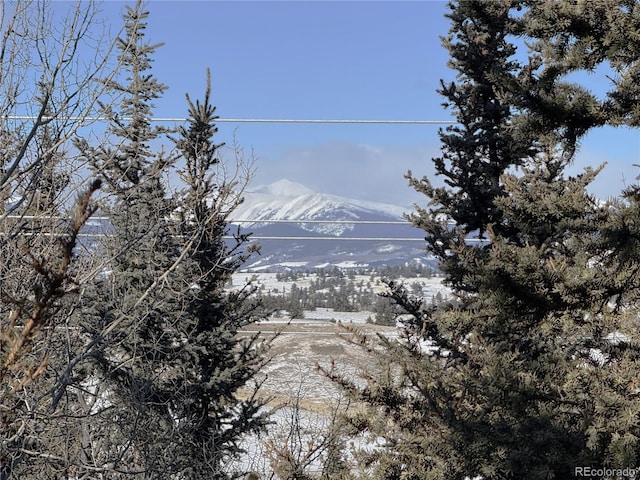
column 285, row 188
column 285, row 200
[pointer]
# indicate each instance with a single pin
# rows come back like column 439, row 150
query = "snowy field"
column 430, row 285
column 319, row 338
column 303, row 398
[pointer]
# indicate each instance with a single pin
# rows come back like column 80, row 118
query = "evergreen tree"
column 165, row 350
column 582, row 36
column 109, row 408
column 144, row 373
column 385, row 311
column 529, row 373
column 216, row 362
column 132, row 313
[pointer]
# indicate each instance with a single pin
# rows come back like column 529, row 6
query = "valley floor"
column 303, row 399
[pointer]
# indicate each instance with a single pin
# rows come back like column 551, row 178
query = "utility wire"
column 388, row 122
column 266, row 237
column 330, row 222
column 241, row 220
column 267, row 120
column 276, row 120
column 245, row 120
column 339, row 239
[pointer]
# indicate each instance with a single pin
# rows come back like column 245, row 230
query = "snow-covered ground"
column 329, row 314
column 305, row 397
column 431, row 285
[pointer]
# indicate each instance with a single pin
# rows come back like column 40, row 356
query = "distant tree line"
column 413, row 269
column 341, row 290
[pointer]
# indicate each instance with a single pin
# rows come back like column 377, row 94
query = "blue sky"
column 338, row 60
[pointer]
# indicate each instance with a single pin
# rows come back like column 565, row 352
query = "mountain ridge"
column 285, row 200
column 275, row 214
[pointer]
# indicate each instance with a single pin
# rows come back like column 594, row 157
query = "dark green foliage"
column 385, row 311
column 131, row 314
column 583, row 36
column 163, row 351
column 216, row 362
column 529, row 373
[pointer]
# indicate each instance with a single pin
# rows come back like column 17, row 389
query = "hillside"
column 300, row 228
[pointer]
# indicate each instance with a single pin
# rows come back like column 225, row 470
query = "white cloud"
column 367, row 172
column 376, row 172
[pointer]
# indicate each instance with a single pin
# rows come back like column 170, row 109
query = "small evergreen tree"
column 131, row 313
column 216, row 362
column 164, row 342
column 384, row 309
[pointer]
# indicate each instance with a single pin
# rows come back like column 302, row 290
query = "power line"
column 270, row 237
column 300, row 120
column 480, row 241
column 335, row 239
column 240, row 221
column 245, row 120
column 253, row 238
column 331, row 222
column 245, row 220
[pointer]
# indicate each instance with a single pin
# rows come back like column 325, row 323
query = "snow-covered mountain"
column 291, row 210
column 298, row 228
column 289, row 201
